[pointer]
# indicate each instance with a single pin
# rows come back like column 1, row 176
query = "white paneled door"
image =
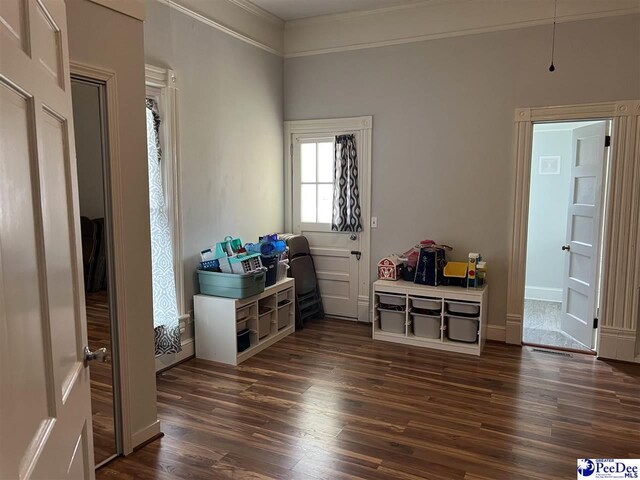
column 584, row 218
column 45, row 405
column 334, row 253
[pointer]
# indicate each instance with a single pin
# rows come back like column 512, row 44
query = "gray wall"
column 231, row 131
column 548, row 206
column 86, row 120
column 102, row 37
column 443, row 123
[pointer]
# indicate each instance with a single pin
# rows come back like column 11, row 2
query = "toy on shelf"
column 389, row 268
column 431, row 263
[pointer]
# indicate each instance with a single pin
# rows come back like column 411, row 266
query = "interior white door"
column 334, row 253
column 45, row 404
column 582, row 248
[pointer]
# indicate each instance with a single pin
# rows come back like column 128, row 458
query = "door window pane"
column 308, row 203
column 308, row 162
column 325, row 203
column 325, row 162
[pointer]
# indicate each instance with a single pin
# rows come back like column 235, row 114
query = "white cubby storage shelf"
column 440, row 301
column 269, row 316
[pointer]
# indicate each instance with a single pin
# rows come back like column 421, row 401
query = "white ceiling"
column 295, row 9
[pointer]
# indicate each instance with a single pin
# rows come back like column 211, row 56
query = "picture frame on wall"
column 549, row 165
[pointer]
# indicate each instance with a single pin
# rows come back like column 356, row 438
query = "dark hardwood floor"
column 99, row 335
column 329, row 403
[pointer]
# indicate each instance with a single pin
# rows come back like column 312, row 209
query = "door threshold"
column 559, row 349
column 106, row 460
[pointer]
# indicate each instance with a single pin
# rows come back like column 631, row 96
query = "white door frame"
column 363, row 125
column 115, row 206
column 620, row 305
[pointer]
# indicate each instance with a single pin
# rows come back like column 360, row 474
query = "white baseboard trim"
column 497, row 333
column 145, row 434
column 166, row 361
column 543, row 293
column 618, row 344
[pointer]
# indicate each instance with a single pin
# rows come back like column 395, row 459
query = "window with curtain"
column 165, row 309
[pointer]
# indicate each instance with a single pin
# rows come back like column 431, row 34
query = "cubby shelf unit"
column 406, row 292
column 218, row 320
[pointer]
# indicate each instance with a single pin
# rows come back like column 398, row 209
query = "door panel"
column 45, row 401
column 583, row 232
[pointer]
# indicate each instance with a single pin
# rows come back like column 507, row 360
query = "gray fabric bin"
column 461, row 329
column 463, row 308
column 426, row 326
column 388, row 299
column 392, row 321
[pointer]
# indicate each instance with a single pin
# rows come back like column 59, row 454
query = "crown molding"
column 236, row 29
column 260, row 12
column 435, row 19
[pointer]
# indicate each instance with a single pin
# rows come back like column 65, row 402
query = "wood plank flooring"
column 99, row 335
column 329, row 403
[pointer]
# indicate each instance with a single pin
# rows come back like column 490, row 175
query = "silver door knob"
column 100, row 355
column 566, row 247
column 353, row 236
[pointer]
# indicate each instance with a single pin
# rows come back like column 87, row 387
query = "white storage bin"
column 284, row 313
column 426, row 326
column 433, row 304
column 264, row 321
column 392, row 321
column 462, row 329
column 463, row 308
column 392, row 299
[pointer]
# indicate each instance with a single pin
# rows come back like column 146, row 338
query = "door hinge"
column 607, row 140
column 595, row 322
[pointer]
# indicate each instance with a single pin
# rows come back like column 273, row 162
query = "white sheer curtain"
column 165, row 309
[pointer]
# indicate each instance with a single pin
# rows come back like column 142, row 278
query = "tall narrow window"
column 165, row 309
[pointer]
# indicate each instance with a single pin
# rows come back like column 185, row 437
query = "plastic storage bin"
column 265, row 315
column 392, row 321
column 284, row 313
column 244, row 340
column 462, row 329
column 392, row 299
column 283, row 267
column 431, row 304
column 464, row 309
column 426, row 326
column 231, row 285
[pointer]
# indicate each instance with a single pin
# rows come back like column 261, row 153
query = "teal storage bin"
column 231, row 285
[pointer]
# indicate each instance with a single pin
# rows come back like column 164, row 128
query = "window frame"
column 161, row 85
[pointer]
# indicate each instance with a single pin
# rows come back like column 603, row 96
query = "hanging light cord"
column 552, row 67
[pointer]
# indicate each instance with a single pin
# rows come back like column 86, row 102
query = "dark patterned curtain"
column 346, row 196
column 165, row 306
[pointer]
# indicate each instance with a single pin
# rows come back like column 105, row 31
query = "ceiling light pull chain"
column 552, row 67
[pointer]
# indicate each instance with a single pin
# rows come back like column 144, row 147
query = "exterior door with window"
column 335, row 254
column 45, row 403
column 584, row 229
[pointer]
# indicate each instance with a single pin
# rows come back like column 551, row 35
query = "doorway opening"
column 91, row 139
column 568, row 192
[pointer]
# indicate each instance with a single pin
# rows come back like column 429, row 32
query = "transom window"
column 316, row 180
